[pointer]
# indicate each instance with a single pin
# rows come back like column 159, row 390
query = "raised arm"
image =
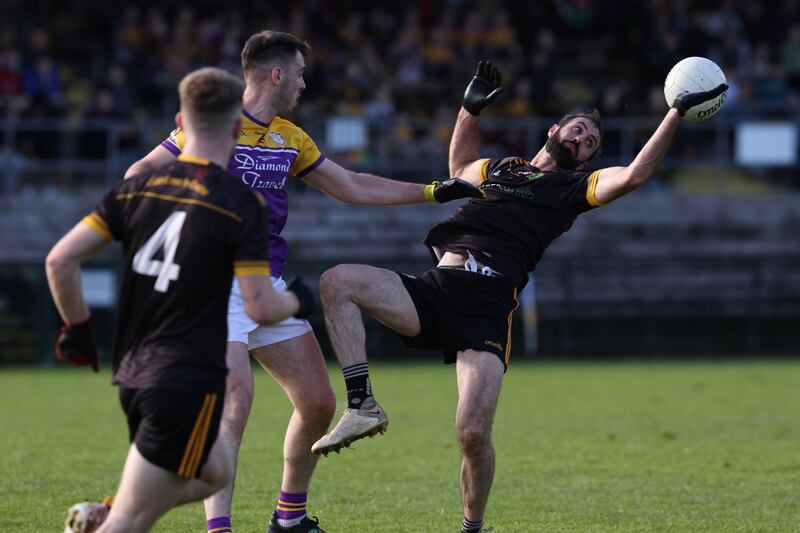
column 368, row 189
column 464, row 155
column 614, row 182
column 484, row 88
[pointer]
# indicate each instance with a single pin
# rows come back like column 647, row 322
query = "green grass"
column 580, row 447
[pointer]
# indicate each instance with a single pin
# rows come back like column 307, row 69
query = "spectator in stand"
column 422, row 51
column 42, row 82
column 12, row 86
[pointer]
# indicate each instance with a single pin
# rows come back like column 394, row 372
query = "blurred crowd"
column 86, row 60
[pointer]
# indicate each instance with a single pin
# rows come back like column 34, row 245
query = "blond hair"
column 211, row 100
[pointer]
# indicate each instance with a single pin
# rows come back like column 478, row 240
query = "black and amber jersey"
column 185, row 229
column 524, row 210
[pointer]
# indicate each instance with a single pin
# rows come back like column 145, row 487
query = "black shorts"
column 460, row 310
column 173, row 429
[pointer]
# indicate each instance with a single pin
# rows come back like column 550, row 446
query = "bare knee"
column 336, row 283
column 218, row 476
column 474, row 439
column 318, row 408
column 239, row 392
column 219, row 468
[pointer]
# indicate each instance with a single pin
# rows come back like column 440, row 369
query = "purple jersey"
column 266, row 155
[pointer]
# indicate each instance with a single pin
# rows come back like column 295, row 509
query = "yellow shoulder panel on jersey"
column 176, row 138
column 280, row 134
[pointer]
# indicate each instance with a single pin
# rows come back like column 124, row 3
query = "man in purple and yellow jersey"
column 270, row 151
column 184, row 225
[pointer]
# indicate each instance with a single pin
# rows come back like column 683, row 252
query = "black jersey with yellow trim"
column 185, row 229
column 524, row 210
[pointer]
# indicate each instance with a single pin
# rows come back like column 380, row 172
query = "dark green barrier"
column 584, row 307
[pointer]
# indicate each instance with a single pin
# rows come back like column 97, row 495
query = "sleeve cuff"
column 311, row 167
column 169, row 145
column 484, row 164
column 429, row 197
column 99, row 225
column 590, row 189
column 251, row 268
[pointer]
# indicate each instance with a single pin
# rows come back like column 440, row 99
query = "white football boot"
column 86, row 517
column 366, row 421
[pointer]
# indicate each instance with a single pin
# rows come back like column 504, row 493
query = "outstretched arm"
column 614, row 182
column 368, row 189
column 362, row 188
column 464, row 155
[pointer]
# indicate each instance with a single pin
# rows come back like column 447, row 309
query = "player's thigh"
column 479, row 376
column 378, row 292
column 297, row 364
column 146, row 488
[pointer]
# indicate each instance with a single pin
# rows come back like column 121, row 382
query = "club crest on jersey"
column 277, row 137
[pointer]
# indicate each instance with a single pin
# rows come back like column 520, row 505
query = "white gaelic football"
column 694, row 75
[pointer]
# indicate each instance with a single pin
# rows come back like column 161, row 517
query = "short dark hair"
column 211, row 98
column 590, row 113
column 266, row 46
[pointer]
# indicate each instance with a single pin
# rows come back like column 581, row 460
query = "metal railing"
column 39, row 152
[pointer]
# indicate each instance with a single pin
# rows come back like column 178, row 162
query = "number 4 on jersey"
column 167, row 236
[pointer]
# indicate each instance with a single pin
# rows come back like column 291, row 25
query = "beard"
column 561, row 154
column 285, row 102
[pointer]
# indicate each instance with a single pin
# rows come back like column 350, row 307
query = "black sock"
column 468, row 526
column 356, row 379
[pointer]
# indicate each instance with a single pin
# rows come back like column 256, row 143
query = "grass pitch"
column 580, row 447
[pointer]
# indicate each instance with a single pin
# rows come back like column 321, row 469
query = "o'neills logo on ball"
column 710, row 111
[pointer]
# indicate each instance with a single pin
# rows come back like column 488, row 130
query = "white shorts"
column 242, row 328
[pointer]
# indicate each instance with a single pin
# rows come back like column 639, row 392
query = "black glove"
column 686, row 100
column 75, row 345
column 451, row 189
column 484, row 88
column 304, row 296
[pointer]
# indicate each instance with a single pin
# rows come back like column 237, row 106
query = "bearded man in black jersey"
column 483, row 253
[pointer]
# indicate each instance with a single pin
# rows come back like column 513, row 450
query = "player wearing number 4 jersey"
column 186, row 229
